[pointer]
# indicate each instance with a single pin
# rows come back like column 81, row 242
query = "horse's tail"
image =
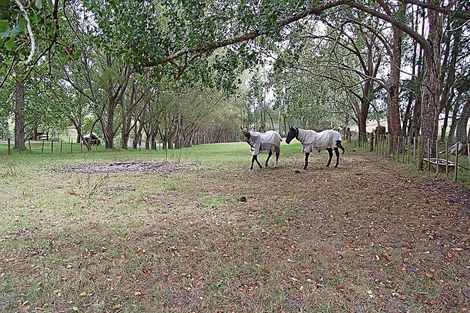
column 338, row 143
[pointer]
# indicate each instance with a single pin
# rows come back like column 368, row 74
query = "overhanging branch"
column 316, row 10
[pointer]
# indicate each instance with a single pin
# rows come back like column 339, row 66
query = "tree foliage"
column 164, row 70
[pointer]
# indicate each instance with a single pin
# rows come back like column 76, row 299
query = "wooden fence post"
column 456, row 162
column 396, row 152
column 387, row 151
column 378, row 140
column 414, row 148
column 61, row 143
column 382, row 139
column 52, row 146
column 42, row 147
column 380, row 144
column 429, row 154
column 408, row 150
column 437, row 157
column 384, row 144
column 9, row 145
column 29, row 144
column 403, row 151
column 377, row 144
column 420, row 153
column 71, row 147
column 371, row 141
column 447, row 158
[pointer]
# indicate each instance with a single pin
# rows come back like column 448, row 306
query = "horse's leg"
column 330, row 155
column 252, row 161
column 256, row 159
column 306, row 160
column 269, row 156
column 337, row 157
column 277, row 156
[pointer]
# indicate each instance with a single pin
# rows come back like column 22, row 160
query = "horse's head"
column 293, row 133
column 247, row 135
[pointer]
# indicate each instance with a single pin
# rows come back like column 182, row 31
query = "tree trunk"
column 407, row 118
column 415, row 126
column 431, row 89
column 108, row 138
column 126, row 117
column 19, row 122
column 78, row 128
column 147, row 140
column 34, row 132
column 362, row 122
column 447, row 93
column 153, row 141
column 79, row 133
column 393, row 120
column 137, row 135
column 364, row 110
column 124, row 125
column 462, row 131
column 444, row 124
column 169, row 140
column 454, row 121
column 109, row 127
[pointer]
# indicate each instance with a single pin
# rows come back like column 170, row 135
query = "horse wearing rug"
column 312, row 140
column 269, row 141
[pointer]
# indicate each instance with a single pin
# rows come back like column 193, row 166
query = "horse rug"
column 313, row 141
column 268, row 141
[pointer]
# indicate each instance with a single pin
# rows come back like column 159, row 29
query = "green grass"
column 214, row 154
column 284, row 217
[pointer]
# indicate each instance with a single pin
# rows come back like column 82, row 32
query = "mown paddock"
column 367, row 237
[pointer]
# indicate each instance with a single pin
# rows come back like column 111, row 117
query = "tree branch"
column 316, row 10
column 419, row 38
column 446, row 10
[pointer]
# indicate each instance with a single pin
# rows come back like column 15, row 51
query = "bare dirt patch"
column 131, row 166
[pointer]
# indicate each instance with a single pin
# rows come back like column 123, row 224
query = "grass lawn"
column 202, row 233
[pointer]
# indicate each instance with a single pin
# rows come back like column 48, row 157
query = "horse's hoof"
column 297, row 171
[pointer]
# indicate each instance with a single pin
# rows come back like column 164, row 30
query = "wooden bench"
column 439, row 162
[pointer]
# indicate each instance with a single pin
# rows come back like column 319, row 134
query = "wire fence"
column 410, row 150
column 59, row 146
column 52, row 147
column 441, row 159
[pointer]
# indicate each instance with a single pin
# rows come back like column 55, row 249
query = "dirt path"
column 365, row 237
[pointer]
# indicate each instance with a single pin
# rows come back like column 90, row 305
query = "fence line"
column 414, row 150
